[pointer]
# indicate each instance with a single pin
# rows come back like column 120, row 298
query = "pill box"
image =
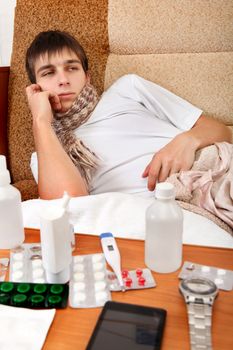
column 88, row 284
column 133, row 279
column 221, row 277
column 33, row 295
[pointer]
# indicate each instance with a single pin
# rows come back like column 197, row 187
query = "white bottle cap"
column 4, row 173
column 164, row 190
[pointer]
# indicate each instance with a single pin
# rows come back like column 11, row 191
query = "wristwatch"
column 199, row 295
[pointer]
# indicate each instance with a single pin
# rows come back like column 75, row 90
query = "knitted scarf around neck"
column 64, row 125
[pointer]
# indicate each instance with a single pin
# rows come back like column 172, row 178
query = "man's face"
column 61, row 73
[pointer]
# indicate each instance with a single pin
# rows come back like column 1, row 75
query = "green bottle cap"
column 56, row 289
column 7, row 287
column 23, row 287
column 19, row 299
column 40, row 288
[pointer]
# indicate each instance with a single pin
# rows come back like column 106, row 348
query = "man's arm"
column 56, row 171
column 179, row 154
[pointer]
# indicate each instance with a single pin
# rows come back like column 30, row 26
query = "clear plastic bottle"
column 164, row 231
column 11, row 218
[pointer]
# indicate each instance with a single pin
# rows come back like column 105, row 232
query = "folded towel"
column 24, row 329
column 207, row 188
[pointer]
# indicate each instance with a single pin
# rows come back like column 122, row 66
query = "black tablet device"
column 126, row 326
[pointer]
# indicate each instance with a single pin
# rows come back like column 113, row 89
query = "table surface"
column 71, row 328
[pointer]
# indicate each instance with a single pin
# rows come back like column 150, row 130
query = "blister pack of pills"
column 4, row 262
column 88, row 284
column 134, row 279
column 34, row 296
column 26, row 264
column 221, row 277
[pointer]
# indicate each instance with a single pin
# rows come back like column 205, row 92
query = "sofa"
column 185, row 46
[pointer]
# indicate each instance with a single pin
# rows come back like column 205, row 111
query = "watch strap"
column 200, row 315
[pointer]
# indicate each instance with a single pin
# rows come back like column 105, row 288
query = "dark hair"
column 50, row 42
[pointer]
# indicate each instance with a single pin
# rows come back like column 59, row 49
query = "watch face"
column 201, row 286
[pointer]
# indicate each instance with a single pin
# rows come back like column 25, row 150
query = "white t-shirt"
column 132, row 121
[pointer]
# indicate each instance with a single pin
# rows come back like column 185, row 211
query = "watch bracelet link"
column 200, row 315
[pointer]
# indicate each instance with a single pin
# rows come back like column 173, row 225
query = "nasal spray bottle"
column 11, row 218
column 56, row 239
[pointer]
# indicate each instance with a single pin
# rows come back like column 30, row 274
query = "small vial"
column 128, row 282
column 125, row 273
column 139, row 272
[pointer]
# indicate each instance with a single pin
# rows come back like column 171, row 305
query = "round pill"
column 18, row 256
column 78, row 258
column 23, row 287
column 78, row 276
column 79, row 286
column 17, row 275
column 36, row 263
column 218, row 281
column 79, row 298
column 56, row 289
column 17, row 265
column 39, row 280
column 221, row 272
column 205, row 268
column 78, row 267
column 139, row 272
column 36, row 273
column 128, row 282
column 6, row 287
column 98, row 266
column 101, row 296
column 99, row 276
column 141, row 281
column 100, row 286
column 125, row 273
column 97, row 258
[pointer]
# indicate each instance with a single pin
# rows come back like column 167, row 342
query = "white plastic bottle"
column 164, row 231
column 11, row 218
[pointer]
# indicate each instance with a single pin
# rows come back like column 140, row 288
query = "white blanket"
column 124, row 216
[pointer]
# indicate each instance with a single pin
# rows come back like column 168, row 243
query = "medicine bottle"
column 164, row 231
column 11, row 218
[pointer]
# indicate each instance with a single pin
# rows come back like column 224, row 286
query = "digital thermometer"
column 112, row 255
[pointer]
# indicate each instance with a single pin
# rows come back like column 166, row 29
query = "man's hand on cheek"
column 42, row 103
